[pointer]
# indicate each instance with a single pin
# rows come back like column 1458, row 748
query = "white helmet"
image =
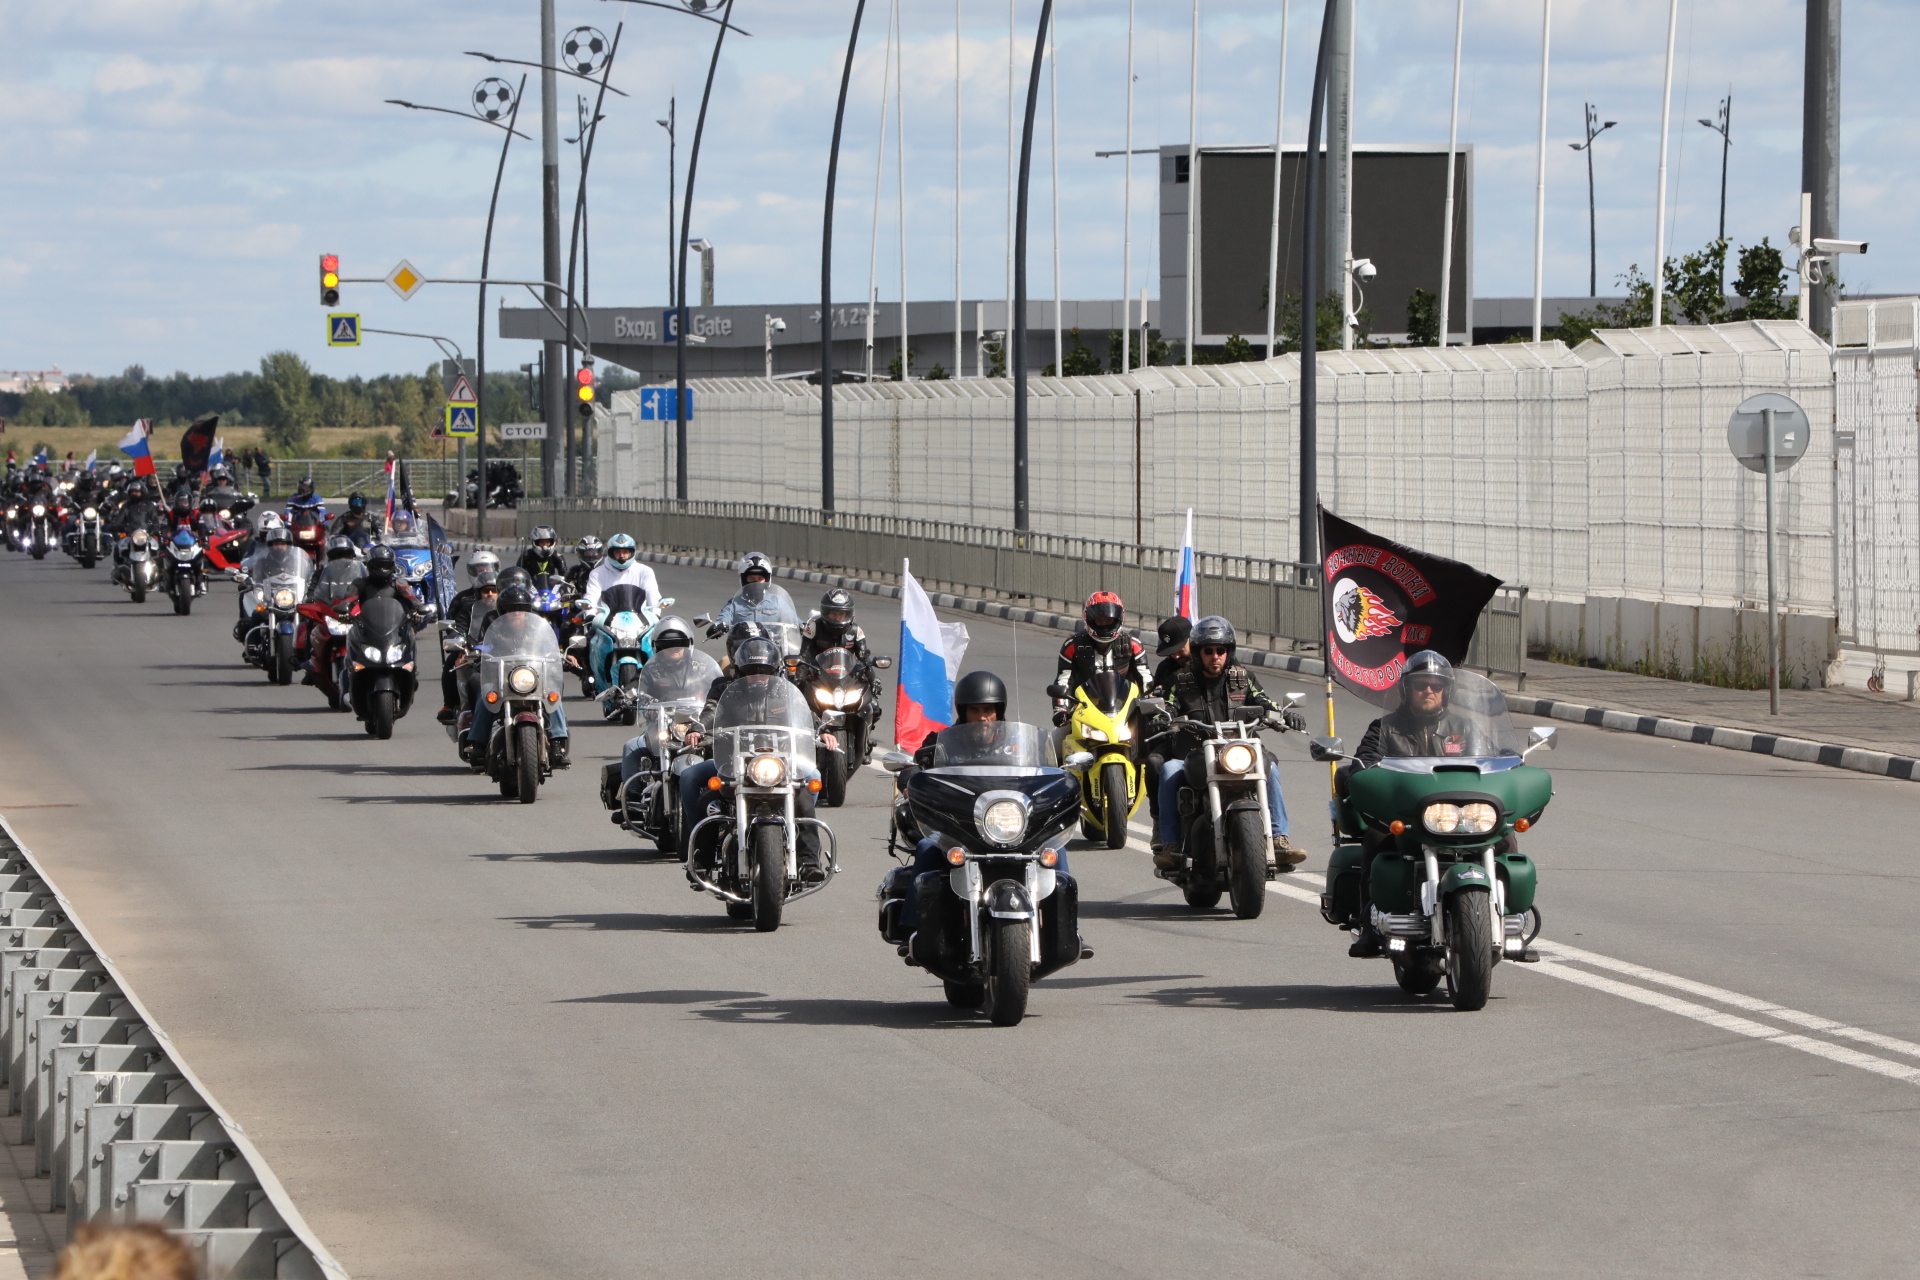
column 482, row 562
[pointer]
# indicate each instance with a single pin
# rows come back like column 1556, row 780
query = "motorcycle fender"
column 526, row 717
column 1008, row 900
column 1059, row 927
column 1462, row 875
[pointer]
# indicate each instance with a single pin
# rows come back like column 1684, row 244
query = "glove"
column 715, row 631
column 1294, row 720
column 1060, row 719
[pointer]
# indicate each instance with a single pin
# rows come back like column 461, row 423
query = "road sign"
column 1747, row 435
column 523, row 431
column 404, row 280
column 343, row 330
column 659, row 404
column 463, row 421
column 461, row 391
column 451, row 371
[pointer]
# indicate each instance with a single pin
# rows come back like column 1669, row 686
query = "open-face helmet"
column 482, row 562
column 1214, row 632
column 980, row 689
column 1426, row 669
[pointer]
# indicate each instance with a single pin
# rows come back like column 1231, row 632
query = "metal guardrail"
column 1275, row 598
column 432, row 478
column 123, row 1129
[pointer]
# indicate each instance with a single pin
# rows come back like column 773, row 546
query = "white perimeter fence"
column 1599, row 478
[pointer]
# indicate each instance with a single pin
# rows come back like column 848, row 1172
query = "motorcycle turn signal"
column 1396, row 826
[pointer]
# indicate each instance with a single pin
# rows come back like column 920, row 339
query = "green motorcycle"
column 1448, row 892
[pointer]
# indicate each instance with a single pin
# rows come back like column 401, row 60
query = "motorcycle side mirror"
column 1078, row 760
column 1540, row 738
column 883, row 663
column 1153, row 706
column 665, row 601
column 1057, row 690
column 1294, row 697
column 702, row 620
column 1326, row 749
column 895, row 761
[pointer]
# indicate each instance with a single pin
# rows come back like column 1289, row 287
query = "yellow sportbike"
column 1098, row 726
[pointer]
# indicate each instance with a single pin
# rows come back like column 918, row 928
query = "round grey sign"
column 1746, row 431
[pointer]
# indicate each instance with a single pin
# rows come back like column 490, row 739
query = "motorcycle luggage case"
column 1059, row 927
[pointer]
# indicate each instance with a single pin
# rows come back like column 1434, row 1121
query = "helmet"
column 1105, row 615
column 589, row 549
column 183, row 501
column 758, row 656
column 1213, row 631
column 482, row 562
column 277, row 533
column 340, row 547
column 356, row 501
column 756, row 562
column 306, row 485
column 838, row 600
column 743, row 632
column 543, row 537
column 673, row 632
column 380, row 561
column 1174, row 632
column 1426, row 667
column 980, row 689
column 271, row 521
column 621, row 542
column 516, row 599
column 183, row 538
column 220, row 475
column 485, row 582
column 516, row 577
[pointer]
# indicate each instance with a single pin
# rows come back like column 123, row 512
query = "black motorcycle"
column 846, row 695
column 184, row 581
column 383, row 665
column 999, row 916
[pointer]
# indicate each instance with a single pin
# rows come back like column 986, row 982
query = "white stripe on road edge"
column 1560, row 966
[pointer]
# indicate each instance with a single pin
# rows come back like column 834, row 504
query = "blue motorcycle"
column 619, row 642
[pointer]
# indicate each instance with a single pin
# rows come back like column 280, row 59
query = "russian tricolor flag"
column 930, row 653
column 135, row 447
column 1186, row 589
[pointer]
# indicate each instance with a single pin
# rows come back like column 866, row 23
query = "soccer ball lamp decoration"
column 492, row 98
column 584, row 50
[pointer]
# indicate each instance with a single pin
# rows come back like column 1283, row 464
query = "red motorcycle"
column 322, row 636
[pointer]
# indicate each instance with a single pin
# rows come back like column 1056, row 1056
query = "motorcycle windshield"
column 623, row 597
column 382, row 622
column 678, row 675
column 521, row 635
column 761, row 715
column 835, row 665
column 764, row 602
column 277, row 562
column 1470, row 723
column 1108, row 691
column 989, row 743
column 338, row 579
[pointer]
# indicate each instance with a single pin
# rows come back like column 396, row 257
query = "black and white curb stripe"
column 1826, row 753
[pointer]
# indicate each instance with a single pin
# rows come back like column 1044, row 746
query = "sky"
column 174, row 167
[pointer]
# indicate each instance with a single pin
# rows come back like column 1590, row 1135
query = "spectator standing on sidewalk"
column 264, row 465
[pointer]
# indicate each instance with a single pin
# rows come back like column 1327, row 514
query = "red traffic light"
column 585, row 376
column 330, row 262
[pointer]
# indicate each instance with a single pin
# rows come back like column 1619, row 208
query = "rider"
column 1424, row 724
column 519, row 599
column 591, row 553
column 385, row 579
column 1210, row 689
column 833, row 628
column 1174, row 651
column 672, row 646
column 181, row 516
column 478, row 601
column 1100, row 644
column 140, row 511
column 356, row 522
column 305, row 499
column 543, row 554
column 755, row 568
column 622, row 567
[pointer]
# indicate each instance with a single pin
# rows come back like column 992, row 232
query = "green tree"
column 1762, row 285
column 42, row 408
column 1326, row 329
column 1695, row 293
column 1423, row 319
column 1078, row 361
column 996, row 357
column 894, row 371
column 938, row 373
column 285, row 395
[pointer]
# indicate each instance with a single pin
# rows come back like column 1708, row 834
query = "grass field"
column 327, row 442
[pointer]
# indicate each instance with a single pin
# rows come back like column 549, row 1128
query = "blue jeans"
column 927, row 856
column 1170, row 775
column 484, row 713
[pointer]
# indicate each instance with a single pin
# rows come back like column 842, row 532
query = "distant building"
column 21, row 381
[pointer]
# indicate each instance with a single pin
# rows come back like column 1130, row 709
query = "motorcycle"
column 380, row 652
column 309, row 528
column 1001, row 916
column 1101, row 725
column 270, row 599
column 39, row 535
column 183, row 571
column 1223, row 811
column 138, row 571
column 844, row 694
column 763, row 742
column 328, row 615
column 520, row 676
column 669, row 692
column 617, row 644
column 89, row 539
column 1449, row 891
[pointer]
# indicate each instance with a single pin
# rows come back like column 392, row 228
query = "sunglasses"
column 1426, row 686
column 1214, row 651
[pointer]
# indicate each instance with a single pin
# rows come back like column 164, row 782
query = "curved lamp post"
column 1021, row 507
column 826, row 274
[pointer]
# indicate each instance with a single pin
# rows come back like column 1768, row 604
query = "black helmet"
column 756, row 562
column 1105, row 615
column 516, row 577
column 589, row 550
column 758, row 656
column 516, row 599
column 356, row 501
column 838, row 600
column 183, row 501
column 741, row 633
column 673, row 632
column 1174, row 632
column 980, row 689
column 1213, row 631
column 1426, row 667
column 380, row 561
column 340, row 547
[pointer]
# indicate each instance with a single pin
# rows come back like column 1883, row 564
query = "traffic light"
column 585, row 390
column 329, row 279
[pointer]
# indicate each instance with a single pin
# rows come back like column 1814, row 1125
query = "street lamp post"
column 826, row 268
column 1311, row 252
column 1022, row 512
column 680, row 284
column 1593, row 224
column 589, row 132
column 1724, row 128
column 672, row 178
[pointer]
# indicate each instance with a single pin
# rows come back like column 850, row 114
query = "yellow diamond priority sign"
column 404, row 280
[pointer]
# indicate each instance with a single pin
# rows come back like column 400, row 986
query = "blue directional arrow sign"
column 343, row 329
column 463, row 421
column 660, row 404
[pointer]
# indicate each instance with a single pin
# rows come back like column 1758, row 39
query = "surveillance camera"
column 1363, row 269
column 1839, row 246
column 779, row 325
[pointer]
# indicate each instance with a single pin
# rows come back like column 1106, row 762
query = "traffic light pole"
column 480, row 354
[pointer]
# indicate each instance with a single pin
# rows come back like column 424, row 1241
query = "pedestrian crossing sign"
column 463, row 421
column 343, row 330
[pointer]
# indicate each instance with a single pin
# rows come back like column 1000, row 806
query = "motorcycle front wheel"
column 139, row 594
column 1113, row 781
column 86, row 562
column 280, row 665
column 183, row 602
column 529, row 762
column 769, row 876
column 1009, row 973
column 1469, row 949
column 380, row 715
column 1246, row 833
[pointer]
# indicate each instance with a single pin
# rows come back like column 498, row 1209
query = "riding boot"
column 558, row 754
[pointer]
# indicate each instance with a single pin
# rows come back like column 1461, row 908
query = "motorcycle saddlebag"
column 893, row 893
column 1341, row 902
column 940, row 943
column 1059, row 927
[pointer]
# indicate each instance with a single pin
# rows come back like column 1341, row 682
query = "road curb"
column 1832, row 754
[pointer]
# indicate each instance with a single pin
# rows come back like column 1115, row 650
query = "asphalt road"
column 481, row 1039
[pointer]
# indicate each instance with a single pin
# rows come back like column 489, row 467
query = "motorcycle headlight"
column 373, row 654
column 1124, row 733
column 523, row 681
column 39, row 510
column 283, row 598
column 627, row 637
column 225, row 514
column 1090, row 734
column 395, row 652
column 1004, row 821
column 767, row 771
column 90, row 514
column 1475, row 819
column 1237, row 758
